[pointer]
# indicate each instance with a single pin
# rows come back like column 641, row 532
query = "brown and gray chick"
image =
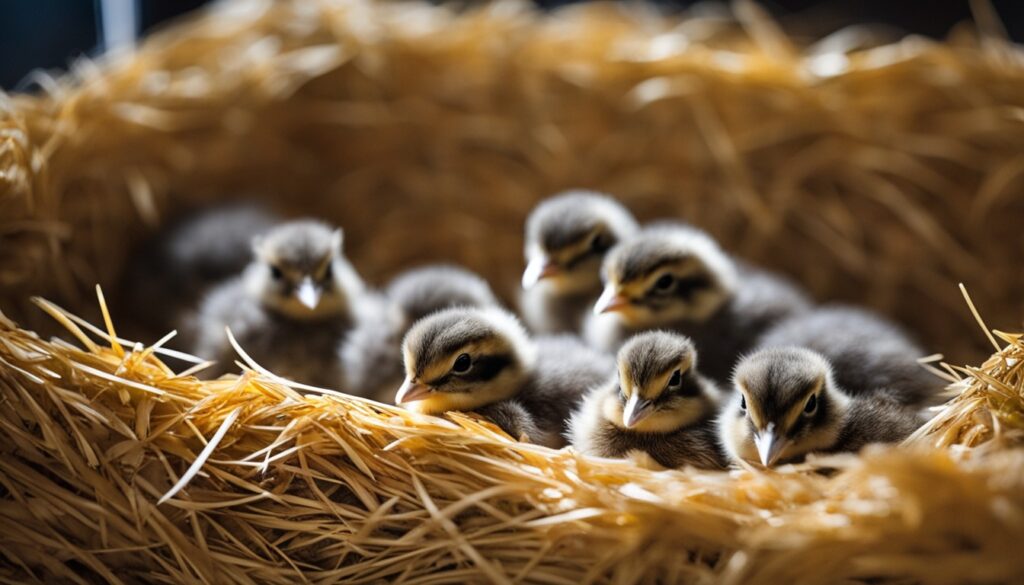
column 567, row 237
column 788, row 404
column 290, row 308
column 658, row 404
column 483, row 360
column 372, row 352
column 676, row 277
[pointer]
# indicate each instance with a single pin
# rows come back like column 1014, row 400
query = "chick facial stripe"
column 795, row 411
column 753, row 408
column 484, row 369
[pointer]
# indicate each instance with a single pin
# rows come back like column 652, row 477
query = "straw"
column 332, row 488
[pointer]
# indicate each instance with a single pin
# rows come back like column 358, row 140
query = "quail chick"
column 676, row 277
column 566, row 238
column 867, row 353
column 291, row 306
column 787, row 404
column 657, row 404
column 180, row 263
column 372, row 353
column 482, row 360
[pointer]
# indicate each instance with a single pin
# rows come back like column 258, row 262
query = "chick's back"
column 761, row 300
column 869, row 355
column 565, row 370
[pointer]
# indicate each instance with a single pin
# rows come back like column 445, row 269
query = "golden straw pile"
column 878, row 174
column 117, row 469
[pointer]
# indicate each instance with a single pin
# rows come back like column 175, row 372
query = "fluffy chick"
column 566, row 238
column 867, row 353
column 185, row 260
column 676, row 277
column 422, row 291
column 657, row 404
column 371, row 354
column 788, row 404
column 291, row 306
column 482, row 360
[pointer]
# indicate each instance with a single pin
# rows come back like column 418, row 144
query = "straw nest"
column 880, row 174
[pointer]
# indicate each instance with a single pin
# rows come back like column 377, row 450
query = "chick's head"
column 659, row 388
column 463, row 359
column 568, row 235
column 666, row 275
column 300, row 271
column 784, row 406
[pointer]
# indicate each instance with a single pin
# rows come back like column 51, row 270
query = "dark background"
column 48, row 34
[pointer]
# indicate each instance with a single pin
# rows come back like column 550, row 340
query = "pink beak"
column 411, row 391
column 610, row 302
column 537, row 270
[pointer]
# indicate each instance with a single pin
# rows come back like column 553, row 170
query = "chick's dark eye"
column 328, row 272
column 462, row 363
column 276, row 273
column 677, row 379
column 812, row 404
column 743, row 402
column 665, row 282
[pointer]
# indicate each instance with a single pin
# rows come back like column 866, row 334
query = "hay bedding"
column 115, row 468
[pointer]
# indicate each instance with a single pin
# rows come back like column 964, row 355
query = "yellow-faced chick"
column 657, row 404
column 868, row 354
column 372, row 353
column 787, row 404
column 567, row 236
column 676, row 277
column 482, row 360
column 291, row 306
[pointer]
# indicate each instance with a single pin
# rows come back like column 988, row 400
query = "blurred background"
column 884, row 189
column 49, row 34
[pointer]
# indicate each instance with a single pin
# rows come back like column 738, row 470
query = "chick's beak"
column 636, row 410
column 769, row 445
column 308, row 293
column 539, row 268
column 611, row 300
column 411, row 391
